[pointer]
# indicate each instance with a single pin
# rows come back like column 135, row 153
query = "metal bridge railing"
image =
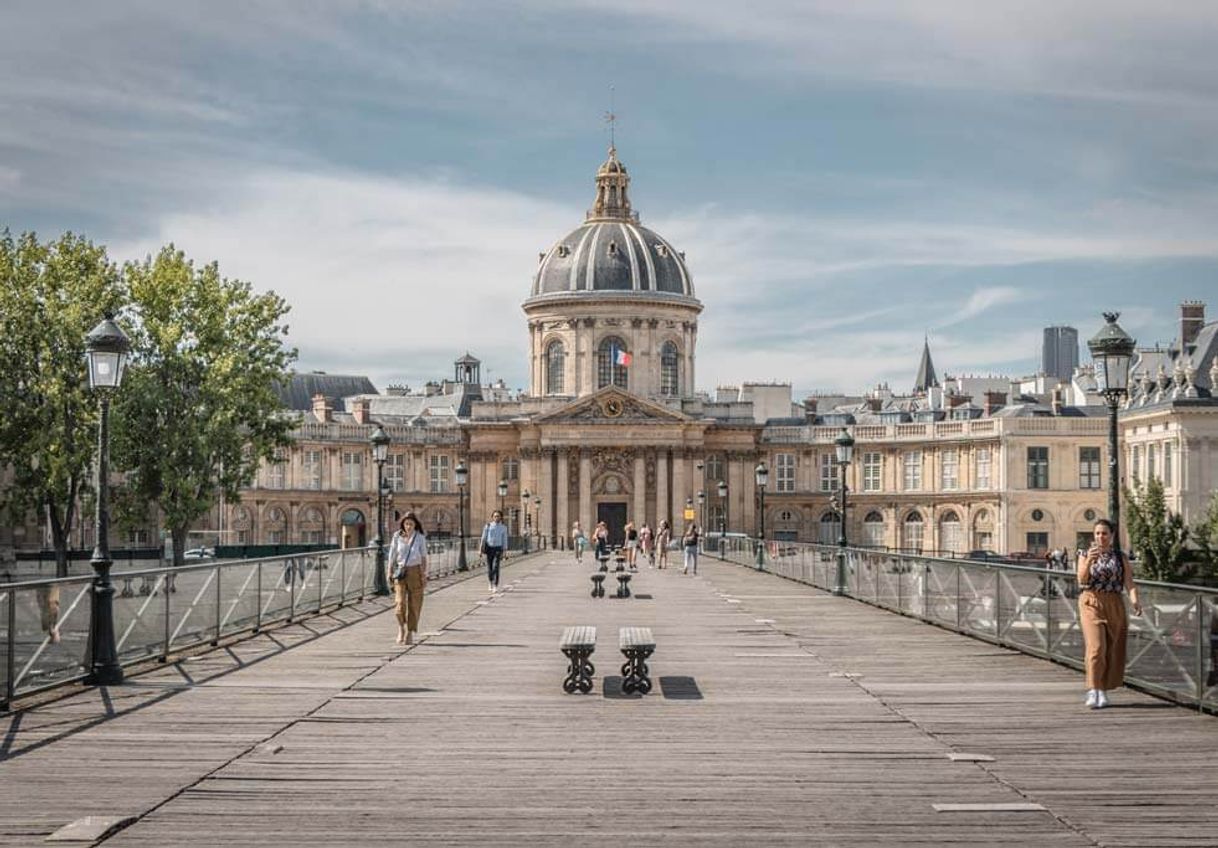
column 1172, row 646
column 44, row 624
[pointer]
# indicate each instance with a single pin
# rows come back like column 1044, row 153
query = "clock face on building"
column 613, row 408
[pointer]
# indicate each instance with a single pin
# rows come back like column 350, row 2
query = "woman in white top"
column 578, row 541
column 407, row 568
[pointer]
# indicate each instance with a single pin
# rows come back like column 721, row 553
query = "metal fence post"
column 10, row 682
column 321, row 591
column 926, row 591
column 1202, row 641
column 342, row 576
column 958, row 597
column 291, row 588
column 1050, row 591
column 900, row 586
column 997, row 605
column 165, row 593
column 258, row 605
column 219, row 603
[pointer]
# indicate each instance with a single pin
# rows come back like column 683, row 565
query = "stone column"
column 562, row 506
column 545, row 514
column 587, row 516
column 679, row 486
column 662, row 508
column 640, row 490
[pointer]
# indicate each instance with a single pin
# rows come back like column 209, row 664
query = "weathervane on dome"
column 611, row 120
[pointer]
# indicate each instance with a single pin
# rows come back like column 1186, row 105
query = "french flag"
column 621, row 357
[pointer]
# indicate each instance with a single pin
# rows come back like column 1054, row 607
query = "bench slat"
column 578, row 637
column 636, row 637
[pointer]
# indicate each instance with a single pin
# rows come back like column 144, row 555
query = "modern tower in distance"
column 1059, row 355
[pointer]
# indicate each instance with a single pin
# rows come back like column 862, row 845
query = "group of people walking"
column 642, row 541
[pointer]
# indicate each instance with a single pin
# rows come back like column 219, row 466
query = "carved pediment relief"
column 612, row 406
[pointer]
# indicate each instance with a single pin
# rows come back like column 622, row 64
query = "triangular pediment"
column 613, row 406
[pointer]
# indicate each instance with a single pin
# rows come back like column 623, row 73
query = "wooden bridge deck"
column 780, row 716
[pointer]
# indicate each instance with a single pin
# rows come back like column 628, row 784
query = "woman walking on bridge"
column 663, row 540
column 492, row 545
column 1103, row 572
column 578, row 541
column 408, row 571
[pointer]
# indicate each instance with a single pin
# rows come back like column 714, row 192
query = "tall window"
column 983, row 531
column 311, row 466
column 911, row 533
column 608, row 372
column 828, row 472
column 1151, row 456
column 312, row 526
column 511, row 468
column 1088, row 468
column 830, row 529
column 670, row 369
column 714, row 470
column 912, row 468
column 1135, row 463
column 873, row 530
column 1037, row 543
column 949, row 469
column 395, row 471
column 984, row 465
column 276, row 526
column 276, row 471
column 784, row 472
column 1038, row 468
column 556, row 359
column 353, row 471
column 1167, row 463
column 437, row 466
column 873, row 471
column 951, row 538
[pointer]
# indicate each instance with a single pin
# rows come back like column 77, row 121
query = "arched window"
column 608, row 372
column 950, row 537
column 276, row 526
column 830, row 529
column 312, row 526
column 983, row 531
column 911, row 533
column 670, row 369
column 556, row 357
column 873, row 530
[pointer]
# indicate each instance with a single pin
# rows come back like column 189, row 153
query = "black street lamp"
column 524, row 503
column 844, row 444
column 1112, row 350
column 106, row 348
column 762, row 474
column 537, row 516
column 701, row 510
column 722, row 517
column 462, row 475
column 503, row 490
column 380, row 452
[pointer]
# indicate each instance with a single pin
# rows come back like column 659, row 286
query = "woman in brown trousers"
column 407, row 567
column 1103, row 573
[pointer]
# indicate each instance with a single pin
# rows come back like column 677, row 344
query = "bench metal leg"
column 636, row 676
column 579, row 670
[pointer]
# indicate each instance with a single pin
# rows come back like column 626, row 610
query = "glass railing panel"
column 1208, row 635
column 192, row 606
column 1163, row 645
column 977, row 607
column 1064, row 634
column 139, row 618
column 941, row 580
column 50, row 634
column 912, row 578
column 889, row 593
column 1023, row 609
column 239, row 609
column 280, row 582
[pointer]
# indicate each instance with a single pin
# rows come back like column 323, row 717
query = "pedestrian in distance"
column 689, row 541
column 601, row 537
column 647, row 544
column 492, row 545
column 663, row 540
column 578, row 541
column 48, row 607
column 1103, row 573
column 632, row 545
column 407, row 568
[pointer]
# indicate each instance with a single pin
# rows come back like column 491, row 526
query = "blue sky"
column 843, row 177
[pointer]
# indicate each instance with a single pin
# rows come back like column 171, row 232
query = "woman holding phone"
column 1103, row 573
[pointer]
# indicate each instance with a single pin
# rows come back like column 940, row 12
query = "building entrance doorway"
column 614, row 516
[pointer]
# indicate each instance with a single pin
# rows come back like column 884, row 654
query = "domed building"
column 608, row 293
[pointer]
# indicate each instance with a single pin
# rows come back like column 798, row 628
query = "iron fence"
column 1172, row 646
column 158, row 612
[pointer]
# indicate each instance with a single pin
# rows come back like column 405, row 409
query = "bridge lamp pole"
column 844, row 445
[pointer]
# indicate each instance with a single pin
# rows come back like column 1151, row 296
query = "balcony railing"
column 1172, row 646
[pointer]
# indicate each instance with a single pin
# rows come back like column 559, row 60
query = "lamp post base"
column 104, row 669
column 839, row 587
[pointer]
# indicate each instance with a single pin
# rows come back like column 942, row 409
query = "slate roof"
column 298, row 392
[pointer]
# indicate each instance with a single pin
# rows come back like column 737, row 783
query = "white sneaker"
column 1092, row 695
column 1101, row 699
column 491, row 588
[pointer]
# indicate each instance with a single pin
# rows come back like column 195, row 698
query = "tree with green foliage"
column 1158, row 535
column 1205, row 537
column 199, row 410
column 51, row 295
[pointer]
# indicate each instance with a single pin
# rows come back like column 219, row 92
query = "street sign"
column 689, row 515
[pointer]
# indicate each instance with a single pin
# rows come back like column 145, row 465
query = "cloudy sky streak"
column 843, row 179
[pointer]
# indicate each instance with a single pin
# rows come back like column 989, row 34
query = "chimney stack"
column 810, row 405
column 361, row 408
column 958, row 400
column 1192, row 319
column 323, row 411
column 1058, row 400
column 994, row 401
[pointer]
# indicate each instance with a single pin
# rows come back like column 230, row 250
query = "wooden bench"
column 598, row 584
column 623, row 584
column 577, row 644
column 637, row 645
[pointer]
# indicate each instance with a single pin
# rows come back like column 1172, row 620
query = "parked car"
column 199, row 553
